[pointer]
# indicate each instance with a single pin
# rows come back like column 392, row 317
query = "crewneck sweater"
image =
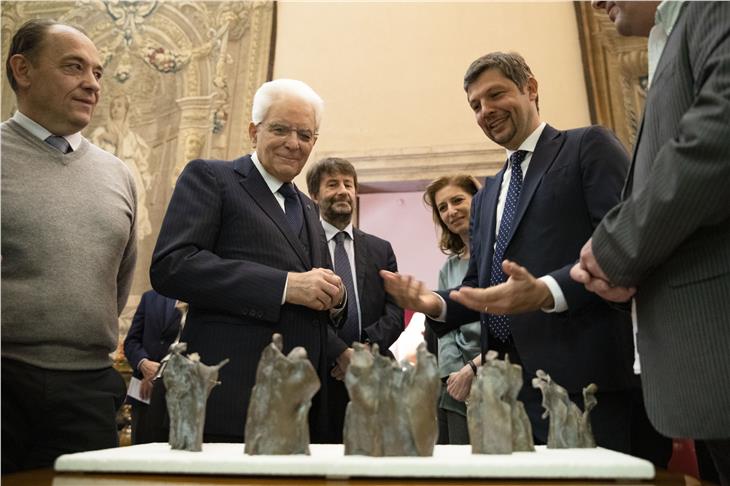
column 68, row 251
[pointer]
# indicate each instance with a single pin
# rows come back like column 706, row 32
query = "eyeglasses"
column 283, row 131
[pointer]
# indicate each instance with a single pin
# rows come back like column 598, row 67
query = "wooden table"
column 47, row 477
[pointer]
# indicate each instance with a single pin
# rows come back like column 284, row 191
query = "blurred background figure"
column 155, row 326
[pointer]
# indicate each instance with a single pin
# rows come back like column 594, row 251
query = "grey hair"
column 271, row 90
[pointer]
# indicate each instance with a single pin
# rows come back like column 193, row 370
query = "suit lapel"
column 252, row 181
column 314, row 230
column 169, row 313
column 487, row 214
column 628, row 183
column 361, row 259
column 542, row 158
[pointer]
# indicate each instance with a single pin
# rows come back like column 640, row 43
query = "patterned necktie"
column 59, row 143
column 350, row 331
column 292, row 207
column 499, row 324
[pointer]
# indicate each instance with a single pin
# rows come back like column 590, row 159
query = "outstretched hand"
column 520, row 293
column 410, row 293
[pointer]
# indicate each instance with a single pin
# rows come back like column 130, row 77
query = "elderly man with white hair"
column 245, row 248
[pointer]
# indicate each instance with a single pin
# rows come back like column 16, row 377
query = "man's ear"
column 313, row 197
column 532, row 88
column 252, row 133
column 21, row 66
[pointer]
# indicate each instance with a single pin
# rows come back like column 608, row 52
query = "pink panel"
column 403, row 219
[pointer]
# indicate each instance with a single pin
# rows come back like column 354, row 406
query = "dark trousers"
column 720, row 452
column 610, row 419
column 646, row 442
column 149, row 422
column 337, row 399
column 47, row 413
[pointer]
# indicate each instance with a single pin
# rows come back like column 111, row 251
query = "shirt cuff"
column 336, row 311
column 442, row 315
column 139, row 365
column 283, row 296
column 560, row 304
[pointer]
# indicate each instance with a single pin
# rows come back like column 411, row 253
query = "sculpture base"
column 327, row 460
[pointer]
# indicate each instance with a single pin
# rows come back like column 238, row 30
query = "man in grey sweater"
column 68, row 254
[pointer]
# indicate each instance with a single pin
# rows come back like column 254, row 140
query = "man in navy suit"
column 154, row 327
column 537, row 211
column 374, row 317
column 245, row 249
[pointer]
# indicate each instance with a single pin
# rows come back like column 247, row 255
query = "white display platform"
column 448, row 461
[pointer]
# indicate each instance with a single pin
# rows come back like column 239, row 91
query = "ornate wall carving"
column 616, row 72
column 178, row 84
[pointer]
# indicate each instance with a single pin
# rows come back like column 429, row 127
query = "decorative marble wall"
column 178, row 84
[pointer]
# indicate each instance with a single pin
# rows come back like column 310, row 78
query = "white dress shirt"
column 666, row 16
column 349, row 243
column 74, row 140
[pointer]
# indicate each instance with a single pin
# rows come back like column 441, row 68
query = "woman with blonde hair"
column 459, row 352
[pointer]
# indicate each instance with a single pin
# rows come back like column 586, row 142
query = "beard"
column 336, row 215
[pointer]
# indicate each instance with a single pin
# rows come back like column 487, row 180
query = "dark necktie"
column 499, row 324
column 59, row 143
column 292, row 207
column 350, row 331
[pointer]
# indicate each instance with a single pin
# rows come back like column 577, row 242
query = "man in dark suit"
column 571, row 178
column 245, row 249
column 373, row 316
column 155, row 326
column 667, row 243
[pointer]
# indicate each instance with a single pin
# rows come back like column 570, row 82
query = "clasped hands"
column 318, row 289
column 588, row 272
column 520, row 293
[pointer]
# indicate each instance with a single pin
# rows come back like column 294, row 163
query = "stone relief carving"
column 187, row 70
column 118, row 138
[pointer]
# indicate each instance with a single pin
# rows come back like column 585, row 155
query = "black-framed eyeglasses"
column 282, row 131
